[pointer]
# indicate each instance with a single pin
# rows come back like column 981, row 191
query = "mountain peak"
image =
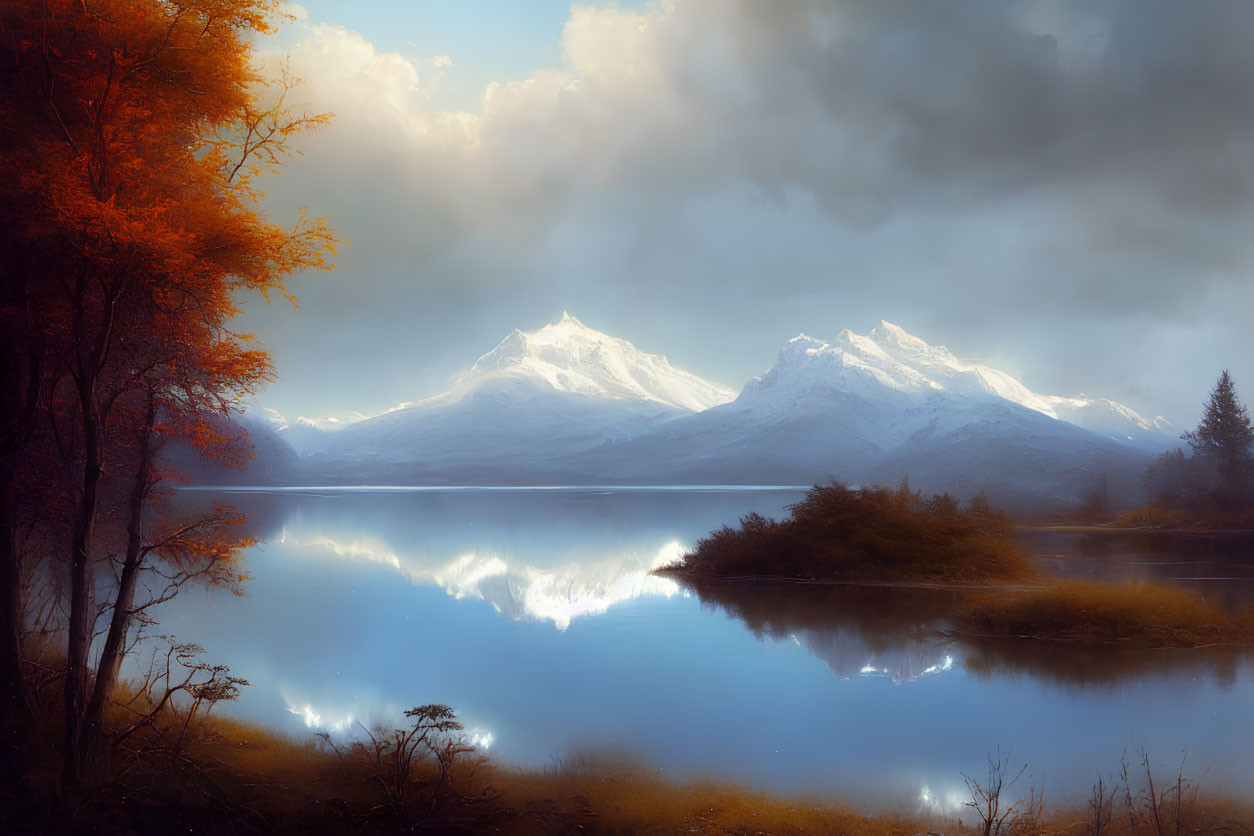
column 570, row 357
column 567, row 327
column 892, row 330
column 895, row 339
column 802, row 343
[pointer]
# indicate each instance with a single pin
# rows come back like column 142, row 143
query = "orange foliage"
column 134, row 133
column 132, row 137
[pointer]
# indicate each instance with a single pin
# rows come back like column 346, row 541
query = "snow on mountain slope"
column 1099, row 415
column 876, row 408
column 571, row 358
column 568, row 404
column 523, row 412
column 1107, row 417
column 895, row 368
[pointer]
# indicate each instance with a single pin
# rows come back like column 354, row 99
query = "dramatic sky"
column 1064, row 190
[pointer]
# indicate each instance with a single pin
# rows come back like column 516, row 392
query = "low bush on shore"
column 841, row 533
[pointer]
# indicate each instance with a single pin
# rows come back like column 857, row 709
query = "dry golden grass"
column 298, row 783
column 619, row 798
column 1088, row 613
column 293, row 784
column 233, row 777
column 1150, row 517
column 1193, row 519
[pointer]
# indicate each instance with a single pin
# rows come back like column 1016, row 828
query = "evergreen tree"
column 1223, row 437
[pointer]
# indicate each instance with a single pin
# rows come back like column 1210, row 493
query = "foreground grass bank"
column 215, row 775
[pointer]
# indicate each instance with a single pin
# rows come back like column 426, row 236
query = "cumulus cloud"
column 870, row 107
column 1054, row 182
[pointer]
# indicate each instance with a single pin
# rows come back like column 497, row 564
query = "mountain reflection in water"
column 534, row 615
column 519, row 591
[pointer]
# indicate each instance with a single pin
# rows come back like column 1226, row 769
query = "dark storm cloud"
column 1064, row 186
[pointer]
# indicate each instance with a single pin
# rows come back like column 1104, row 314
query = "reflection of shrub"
column 837, row 532
column 1079, row 612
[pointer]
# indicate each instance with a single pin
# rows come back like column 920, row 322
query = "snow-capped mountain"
column 525, row 410
column 877, row 408
column 571, row 358
column 911, row 378
column 569, row 404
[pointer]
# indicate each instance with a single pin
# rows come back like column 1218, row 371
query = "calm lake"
column 532, row 613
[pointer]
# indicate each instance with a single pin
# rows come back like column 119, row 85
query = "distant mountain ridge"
column 569, row 404
column 880, row 407
column 890, row 363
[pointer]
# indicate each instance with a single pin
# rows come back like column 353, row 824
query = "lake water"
column 532, row 613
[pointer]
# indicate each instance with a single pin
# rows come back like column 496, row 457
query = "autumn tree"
column 185, row 382
column 134, row 135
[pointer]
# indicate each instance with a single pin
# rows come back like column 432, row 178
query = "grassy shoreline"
column 221, row 775
column 226, row 776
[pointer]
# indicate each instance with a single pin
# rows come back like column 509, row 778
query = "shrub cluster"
column 839, row 532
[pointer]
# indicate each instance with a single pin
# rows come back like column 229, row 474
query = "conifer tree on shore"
column 1223, row 438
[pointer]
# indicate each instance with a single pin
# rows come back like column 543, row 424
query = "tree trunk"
column 82, row 576
column 20, row 401
column 14, row 697
column 115, row 639
column 81, row 589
